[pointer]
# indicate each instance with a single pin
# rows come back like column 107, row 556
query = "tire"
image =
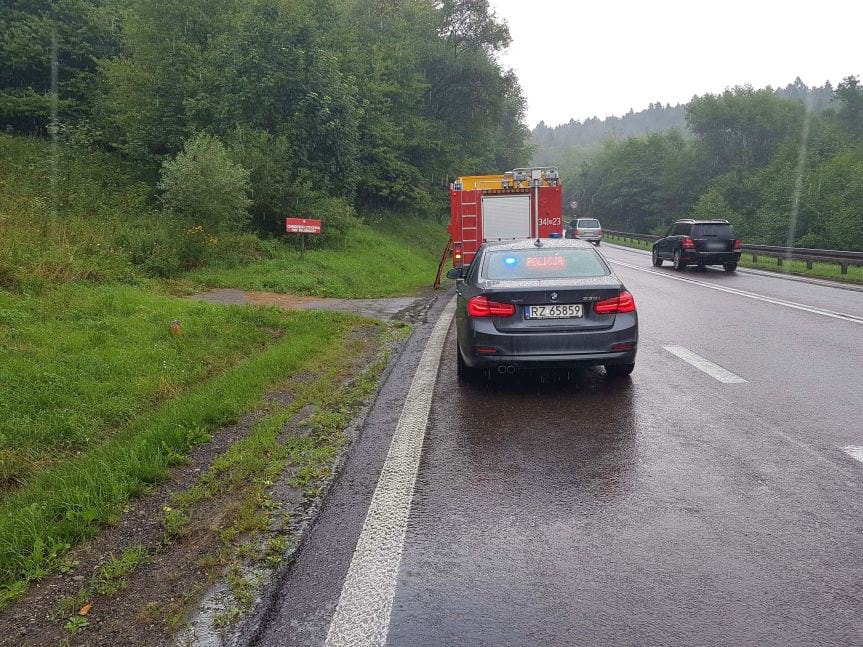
column 619, row 370
column 597, row 243
column 657, row 261
column 729, row 267
column 466, row 374
column 677, row 261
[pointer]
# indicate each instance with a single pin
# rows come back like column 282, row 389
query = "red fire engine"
column 522, row 203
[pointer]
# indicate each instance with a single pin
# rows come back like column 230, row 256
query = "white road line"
column 713, row 370
column 854, row 452
column 750, row 295
column 362, row 616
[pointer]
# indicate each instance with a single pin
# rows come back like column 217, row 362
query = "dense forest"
column 785, row 167
column 243, row 111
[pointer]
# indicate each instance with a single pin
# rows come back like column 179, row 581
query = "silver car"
column 585, row 229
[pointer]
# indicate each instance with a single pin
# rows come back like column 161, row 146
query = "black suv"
column 698, row 242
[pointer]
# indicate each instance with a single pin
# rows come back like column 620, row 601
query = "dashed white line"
column 749, row 295
column 362, row 615
column 706, row 366
column 854, row 452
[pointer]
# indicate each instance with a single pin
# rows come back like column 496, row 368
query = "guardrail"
column 841, row 258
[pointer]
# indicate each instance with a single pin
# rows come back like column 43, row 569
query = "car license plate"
column 554, row 311
column 716, row 247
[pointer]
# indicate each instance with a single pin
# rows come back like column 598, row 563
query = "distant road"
column 716, row 498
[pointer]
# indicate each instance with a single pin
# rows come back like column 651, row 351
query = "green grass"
column 377, row 261
column 98, row 398
column 69, row 501
column 255, row 529
column 107, row 228
column 818, row 270
column 81, row 362
column 635, row 244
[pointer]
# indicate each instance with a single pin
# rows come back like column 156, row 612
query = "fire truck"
column 522, row 203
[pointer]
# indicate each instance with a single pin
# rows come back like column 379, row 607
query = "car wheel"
column 597, row 243
column 465, row 372
column 730, row 267
column 619, row 370
column 657, row 262
column 678, row 263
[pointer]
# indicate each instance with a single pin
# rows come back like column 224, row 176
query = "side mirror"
column 456, row 273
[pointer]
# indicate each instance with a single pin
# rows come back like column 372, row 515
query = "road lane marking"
column 706, row 366
column 750, row 295
column 362, row 615
column 854, row 452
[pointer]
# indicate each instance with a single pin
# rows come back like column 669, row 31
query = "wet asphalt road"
column 667, row 509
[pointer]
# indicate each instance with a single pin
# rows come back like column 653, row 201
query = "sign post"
column 303, row 226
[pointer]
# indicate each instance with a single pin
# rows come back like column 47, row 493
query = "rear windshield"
column 710, row 230
column 589, row 223
column 518, row 264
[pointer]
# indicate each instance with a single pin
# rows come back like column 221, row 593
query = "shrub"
column 204, row 187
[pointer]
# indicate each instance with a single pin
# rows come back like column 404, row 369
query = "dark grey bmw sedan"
column 542, row 303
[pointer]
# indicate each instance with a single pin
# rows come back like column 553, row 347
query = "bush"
column 204, row 187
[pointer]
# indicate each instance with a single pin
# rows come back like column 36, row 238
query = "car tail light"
column 625, row 345
column 623, row 302
column 578, row 232
column 599, row 231
column 483, row 307
column 687, row 243
column 738, row 245
column 457, row 255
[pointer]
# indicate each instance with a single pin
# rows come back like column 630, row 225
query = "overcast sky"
column 580, row 58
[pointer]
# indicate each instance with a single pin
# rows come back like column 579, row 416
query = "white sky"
column 584, row 58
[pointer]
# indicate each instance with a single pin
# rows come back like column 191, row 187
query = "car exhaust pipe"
column 501, row 369
column 507, row 369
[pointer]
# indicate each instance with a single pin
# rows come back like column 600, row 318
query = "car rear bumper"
column 711, row 258
column 590, row 237
column 555, row 361
column 561, row 349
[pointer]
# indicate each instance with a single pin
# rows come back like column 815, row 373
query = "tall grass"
column 69, row 502
column 375, row 262
column 81, row 361
column 108, row 229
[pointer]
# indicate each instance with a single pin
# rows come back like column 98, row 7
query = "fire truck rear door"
column 506, row 216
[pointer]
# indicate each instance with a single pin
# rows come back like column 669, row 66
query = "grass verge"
column 223, row 521
column 81, row 362
column 828, row 271
column 277, row 470
column 376, row 261
column 69, row 501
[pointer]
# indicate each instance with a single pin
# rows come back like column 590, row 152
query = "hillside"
column 107, row 229
column 571, row 143
column 101, row 399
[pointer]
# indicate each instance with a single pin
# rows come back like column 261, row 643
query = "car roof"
column 545, row 243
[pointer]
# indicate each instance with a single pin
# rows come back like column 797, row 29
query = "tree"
column 78, row 32
column 849, row 95
column 742, row 128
